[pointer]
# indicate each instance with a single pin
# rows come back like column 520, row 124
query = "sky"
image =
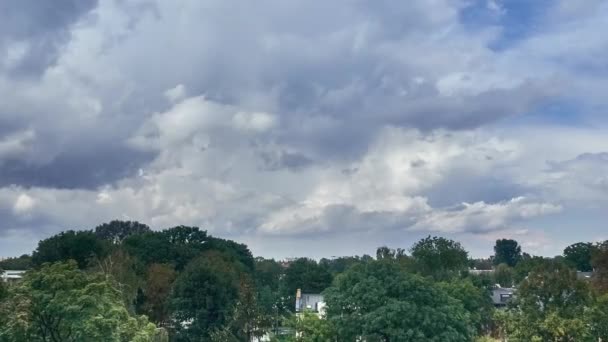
column 307, row 128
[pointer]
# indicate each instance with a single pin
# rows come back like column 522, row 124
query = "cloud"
column 484, row 217
column 32, row 33
column 282, row 119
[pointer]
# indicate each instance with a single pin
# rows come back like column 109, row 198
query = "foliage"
column 341, row 264
column 61, row 303
column 238, row 250
column 439, row 257
column 550, row 306
column 309, row 327
column 527, row 265
column 248, row 319
column 116, row 231
column 579, row 256
column 156, row 291
column 504, row 275
column 507, row 251
column 476, row 300
column 3, row 290
column 205, row 295
column 24, row 262
column 81, row 246
column 481, row 264
column 378, row 301
column 119, row 268
column 597, row 316
column 599, row 261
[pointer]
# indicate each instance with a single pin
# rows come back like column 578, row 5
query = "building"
column 11, row 276
column 502, row 295
column 310, row 302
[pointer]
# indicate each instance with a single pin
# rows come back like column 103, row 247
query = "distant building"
column 310, row 302
column 502, row 295
column 480, row 272
column 11, row 276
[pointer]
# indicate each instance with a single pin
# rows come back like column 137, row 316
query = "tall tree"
column 579, row 256
column 205, row 295
column 156, row 291
column 507, row 251
column 61, row 303
column 379, row 301
column 81, row 246
column 599, row 261
column 121, row 269
column 439, row 257
column 116, row 231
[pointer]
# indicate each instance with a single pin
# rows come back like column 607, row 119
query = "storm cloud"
column 286, row 120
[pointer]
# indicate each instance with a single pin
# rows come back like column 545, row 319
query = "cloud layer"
column 301, row 120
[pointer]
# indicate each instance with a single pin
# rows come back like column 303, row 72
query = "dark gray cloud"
column 32, row 32
column 76, row 168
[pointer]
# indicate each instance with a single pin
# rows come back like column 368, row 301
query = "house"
column 11, row 276
column 502, row 295
column 310, row 302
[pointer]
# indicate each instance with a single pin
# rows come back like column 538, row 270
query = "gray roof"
column 502, row 295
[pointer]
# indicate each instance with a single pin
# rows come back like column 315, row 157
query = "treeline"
column 121, row 281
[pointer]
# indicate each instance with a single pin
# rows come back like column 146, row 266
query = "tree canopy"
column 116, row 231
column 439, row 257
column 579, row 256
column 59, row 302
column 80, row 246
column 379, row 301
column 507, row 251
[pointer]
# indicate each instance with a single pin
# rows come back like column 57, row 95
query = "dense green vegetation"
column 121, row 281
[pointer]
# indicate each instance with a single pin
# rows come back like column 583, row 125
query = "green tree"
column 341, row 264
column 476, row 300
column 240, row 251
column 24, row 262
column 579, row 256
column 81, row 246
column 150, row 248
column 599, row 261
column 379, row 301
column 550, row 306
column 248, row 319
column 507, row 251
column 309, row 327
column 156, row 291
column 120, row 268
column 504, row 275
column 205, row 295
column 61, row 303
column 116, row 231
column 597, row 317
column 528, row 264
column 439, row 257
